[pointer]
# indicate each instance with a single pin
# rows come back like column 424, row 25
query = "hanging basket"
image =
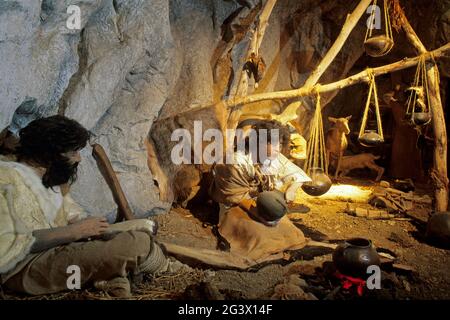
column 319, row 185
column 421, row 118
column 316, row 165
column 366, row 137
column 418, row 104
column 370, row 139
column 378, row 46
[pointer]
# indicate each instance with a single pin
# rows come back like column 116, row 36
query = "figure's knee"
column 133, row 244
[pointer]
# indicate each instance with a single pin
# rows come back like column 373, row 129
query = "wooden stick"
column 242, row 89
column 107, row 171
column 290, row 113
column 255, row 44
column 439, row 173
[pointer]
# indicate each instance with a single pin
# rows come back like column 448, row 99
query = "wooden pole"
column 305, row 91
column 290, row 113
column 242, row 89
column 354, row 79
column 258, row 34
column 439, row 171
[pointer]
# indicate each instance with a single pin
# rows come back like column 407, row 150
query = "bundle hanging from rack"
column 377, row 46
column 370, row 138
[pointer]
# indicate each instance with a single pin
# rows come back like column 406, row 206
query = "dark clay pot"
column 354, row 256
column 438, row 229
column 378, row 46
column 370, row 139
column 421, row 118
column 319, row 185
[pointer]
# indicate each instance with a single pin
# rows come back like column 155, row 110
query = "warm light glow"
column 345, row 192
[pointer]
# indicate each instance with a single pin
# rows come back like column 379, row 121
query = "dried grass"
column 170, row 286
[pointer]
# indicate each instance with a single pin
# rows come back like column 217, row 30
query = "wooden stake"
column 258, row 34
column 242, row 89
column 439, row 172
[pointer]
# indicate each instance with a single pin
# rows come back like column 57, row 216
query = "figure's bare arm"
column 50, row 238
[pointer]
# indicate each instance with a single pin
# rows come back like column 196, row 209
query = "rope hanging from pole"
column 418, row 103
column 377, row 46
column 316, row 165
column 316, row 152
column 370, row 138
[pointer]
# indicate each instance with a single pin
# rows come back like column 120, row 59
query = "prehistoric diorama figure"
column 43, row 231
column 256, row 189
column 271, row 181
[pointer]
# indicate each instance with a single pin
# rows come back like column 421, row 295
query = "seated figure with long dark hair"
column 44, row 233
column 253, row 192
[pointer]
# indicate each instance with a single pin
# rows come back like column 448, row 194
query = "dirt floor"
column 301, row 274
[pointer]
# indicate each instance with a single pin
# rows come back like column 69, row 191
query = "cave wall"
column 133, row 61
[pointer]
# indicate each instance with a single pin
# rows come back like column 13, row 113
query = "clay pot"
column 370, row 139
column 319, row 185
column 352, row 257
column 378, row 46
column 438, row 229
column 421, row 118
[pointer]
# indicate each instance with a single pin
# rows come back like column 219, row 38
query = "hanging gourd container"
column 371, row 137
column 418, row 103
column 320, row 183
column 316, row 166
column 379, row 45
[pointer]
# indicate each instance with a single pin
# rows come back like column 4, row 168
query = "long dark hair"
column 44, row 141
column 268, row 126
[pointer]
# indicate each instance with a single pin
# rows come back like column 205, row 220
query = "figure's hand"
column 89, row 227
column 291, row 192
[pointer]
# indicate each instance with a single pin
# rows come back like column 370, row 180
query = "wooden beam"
column 304, row 91
column 354, row 79
column 290, row 113
column 439, row 171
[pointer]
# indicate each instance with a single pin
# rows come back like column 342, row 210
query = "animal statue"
column 360, row 161
column 336, row 141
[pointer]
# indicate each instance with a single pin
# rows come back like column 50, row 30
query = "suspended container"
column 418, row 103
column 316, row 165
column 320, row 183
column 371, row 137
column 379, row 45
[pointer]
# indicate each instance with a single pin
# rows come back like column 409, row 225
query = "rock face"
column 132, row 61
column 39, row 54
column 126, row 76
